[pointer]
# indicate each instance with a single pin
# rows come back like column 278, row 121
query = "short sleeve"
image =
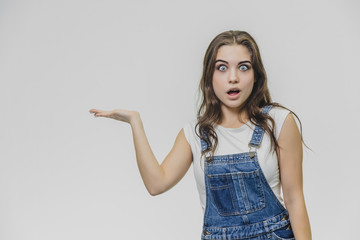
column 188, row 131
column 279, row 115
column 192, row 138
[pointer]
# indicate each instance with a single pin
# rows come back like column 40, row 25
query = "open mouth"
column 233, row 92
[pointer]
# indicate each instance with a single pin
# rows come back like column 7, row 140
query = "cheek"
column 217, row 85
column 250, row 86
column 247, row 88
column 248, row 81
column 218, row 79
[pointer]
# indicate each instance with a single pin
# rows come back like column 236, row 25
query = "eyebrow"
column 220, row 60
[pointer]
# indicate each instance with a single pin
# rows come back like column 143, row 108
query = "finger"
column 96, row 112
column 93, row 110
column 102, row 113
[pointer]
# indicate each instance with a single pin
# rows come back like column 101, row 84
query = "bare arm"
column 290, row 163
column 157, row 178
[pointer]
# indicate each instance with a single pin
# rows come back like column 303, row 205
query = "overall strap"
column 204, row 145
column 256, row 137
column 259, row 131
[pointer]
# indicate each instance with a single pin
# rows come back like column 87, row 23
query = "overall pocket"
column 237, row 193
column 284, row 233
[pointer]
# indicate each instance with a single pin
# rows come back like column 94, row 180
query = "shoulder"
column 192, row 138
column 279, row 115
column 189, row 130
column 278, row 112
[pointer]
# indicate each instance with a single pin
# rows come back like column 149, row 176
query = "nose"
column 233, row 78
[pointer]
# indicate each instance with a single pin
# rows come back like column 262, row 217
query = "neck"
column 233, row 117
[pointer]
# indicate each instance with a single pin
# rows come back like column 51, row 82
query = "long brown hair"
column 209, row 112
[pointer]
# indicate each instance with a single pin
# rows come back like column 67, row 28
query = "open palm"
column 117, row 114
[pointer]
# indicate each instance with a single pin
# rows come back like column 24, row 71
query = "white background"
column 67, row 175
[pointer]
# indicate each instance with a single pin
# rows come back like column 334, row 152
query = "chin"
column 234, row 106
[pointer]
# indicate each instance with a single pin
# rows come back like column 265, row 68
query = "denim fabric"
column 240, row 204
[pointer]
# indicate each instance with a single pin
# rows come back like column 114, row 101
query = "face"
column 233, row 77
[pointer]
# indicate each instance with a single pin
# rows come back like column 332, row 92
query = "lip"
column 233, row 95
column 233, row 89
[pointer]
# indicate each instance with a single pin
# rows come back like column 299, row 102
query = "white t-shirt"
column 235, row 140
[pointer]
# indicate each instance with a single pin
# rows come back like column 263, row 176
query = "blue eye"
column 244, row 67
column 222, row 68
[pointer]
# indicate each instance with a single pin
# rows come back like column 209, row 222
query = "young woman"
column 244, row 149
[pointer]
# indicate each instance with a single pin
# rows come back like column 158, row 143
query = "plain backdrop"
column 67, row 175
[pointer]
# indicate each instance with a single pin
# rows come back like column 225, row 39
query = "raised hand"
column 117, row 114
column 157, row 179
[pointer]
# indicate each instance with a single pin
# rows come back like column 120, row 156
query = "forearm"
column 149, row 167
column 299, row 218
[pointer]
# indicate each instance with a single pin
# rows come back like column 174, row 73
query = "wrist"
column 134, row 118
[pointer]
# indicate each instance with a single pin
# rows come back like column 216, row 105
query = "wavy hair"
column 209, row 112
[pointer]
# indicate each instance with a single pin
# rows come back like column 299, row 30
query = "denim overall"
column 240, row 203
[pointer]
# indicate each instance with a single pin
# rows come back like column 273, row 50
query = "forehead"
column 233, row 53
